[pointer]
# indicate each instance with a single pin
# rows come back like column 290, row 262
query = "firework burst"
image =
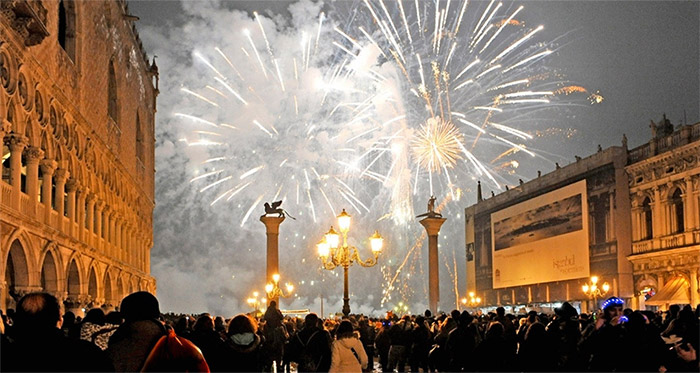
column 280, row 119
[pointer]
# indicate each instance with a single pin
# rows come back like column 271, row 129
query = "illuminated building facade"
column 629, row 217
column 77, row 110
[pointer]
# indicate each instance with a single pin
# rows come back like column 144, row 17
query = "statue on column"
column 276, row 209
column 431, row 209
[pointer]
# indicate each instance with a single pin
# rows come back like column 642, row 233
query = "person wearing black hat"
column 130, row 345
column 601, row 340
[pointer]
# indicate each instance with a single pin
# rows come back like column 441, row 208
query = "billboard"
column 543, row 239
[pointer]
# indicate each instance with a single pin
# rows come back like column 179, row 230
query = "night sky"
column 641, row 56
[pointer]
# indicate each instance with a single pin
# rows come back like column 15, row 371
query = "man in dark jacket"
column 39, row 345
column 401, row 341
column 311, row 346
column 130, row 345
column 461, row 343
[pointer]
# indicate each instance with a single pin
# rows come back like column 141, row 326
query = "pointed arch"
column 73, row 278
column 113, row 102
column 67, row 27
column 49, row 273
column 92, row 287
column 16, row 272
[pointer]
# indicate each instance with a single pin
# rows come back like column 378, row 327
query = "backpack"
column 306, row 361
column 172, row 353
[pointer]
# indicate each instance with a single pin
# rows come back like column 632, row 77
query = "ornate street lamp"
column 273, row 290
column 472, row 301
column 593, row 291
column 333, row 254
column 255, row 303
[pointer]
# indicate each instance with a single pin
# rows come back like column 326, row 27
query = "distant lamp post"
column 401, row 308
column 472, row 301
column 593, row 291
column 333, row 254
column 255, row 303
column 274, row 291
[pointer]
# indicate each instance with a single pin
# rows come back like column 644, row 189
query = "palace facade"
column 77, row 113
column 629, row 217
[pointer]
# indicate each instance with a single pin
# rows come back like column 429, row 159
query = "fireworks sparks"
column 436, row 145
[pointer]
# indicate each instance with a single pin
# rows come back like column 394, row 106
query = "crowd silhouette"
column 39, row 337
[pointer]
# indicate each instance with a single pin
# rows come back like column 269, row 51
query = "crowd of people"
column 38, row 336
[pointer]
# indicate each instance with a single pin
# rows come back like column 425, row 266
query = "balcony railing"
column 666, row 242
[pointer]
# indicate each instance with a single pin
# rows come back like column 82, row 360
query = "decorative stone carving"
column 16, row 142
column 48, row 166
column 7, row 72
column 28, row 19
column 61, row 174
column 33, row 154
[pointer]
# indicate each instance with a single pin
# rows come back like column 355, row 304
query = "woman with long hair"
column 348, row 353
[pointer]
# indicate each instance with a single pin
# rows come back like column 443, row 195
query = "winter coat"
column 130, row 345
column 342, row 357
column 243, row 358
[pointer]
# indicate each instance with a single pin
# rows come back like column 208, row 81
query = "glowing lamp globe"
column 344, row 221
column 333, row 238
column 376, row 241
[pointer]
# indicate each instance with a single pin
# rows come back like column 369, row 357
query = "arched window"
column 677, row 211
column 112, row 107
column 139, row 140
column 648, row 232
column 66, row 27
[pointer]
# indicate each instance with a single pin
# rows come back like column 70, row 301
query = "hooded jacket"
column 242, row 358
column 342, row 357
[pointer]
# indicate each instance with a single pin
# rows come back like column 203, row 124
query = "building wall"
column 644, row 223
column 664, row 179
column 77, row 114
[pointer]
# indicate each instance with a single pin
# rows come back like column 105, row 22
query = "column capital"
column 72, row 186
column 61, row 174
column 48, row 166
column 33, row 154
column 432, row 225
column 91, row 198
column 272, row 223
column 99, row 204
column 15, row 141
column 5, row 127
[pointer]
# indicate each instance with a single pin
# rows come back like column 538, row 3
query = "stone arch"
column 50, row 280
column 677, row 209
column 109, row 296
column 647, row 218
column 67, row 28
column 92, row 285
column 16, row 274
column 121, row 290
column 73, row 279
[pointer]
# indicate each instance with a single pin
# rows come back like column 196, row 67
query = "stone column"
column 690, row 207
column 694, row 297
column 61, row 176
column 71, row 189
column 272, row 229
column 90, row 214
column 16, row 143
column 432, row 227
column 33, row 155
column 81, row 213
column 5, row 127
column 656, row 214
column 48, row 167
column 118, row 235
column 99, row 208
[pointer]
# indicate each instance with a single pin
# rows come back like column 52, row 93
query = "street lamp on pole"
column 334, row 254
column 274, row 291
column 593, row 291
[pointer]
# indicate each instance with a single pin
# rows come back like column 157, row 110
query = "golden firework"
column 436, row 145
